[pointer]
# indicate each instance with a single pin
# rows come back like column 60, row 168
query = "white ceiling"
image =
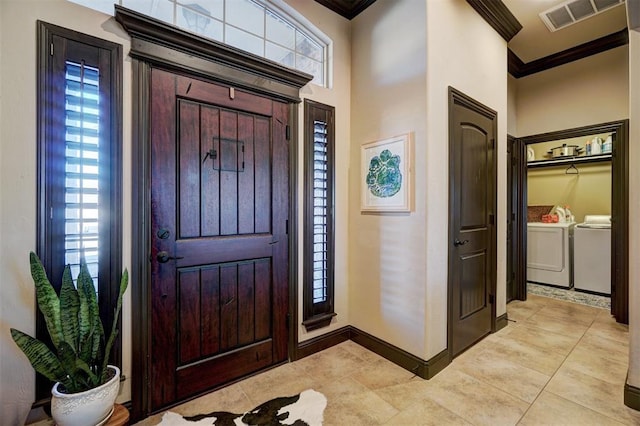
column 535, row 41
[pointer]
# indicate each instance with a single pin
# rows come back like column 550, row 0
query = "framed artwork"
column 386, row 175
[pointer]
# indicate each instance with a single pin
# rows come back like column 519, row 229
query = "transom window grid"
column 253, row 26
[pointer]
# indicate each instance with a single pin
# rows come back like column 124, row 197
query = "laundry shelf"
column 569, row 160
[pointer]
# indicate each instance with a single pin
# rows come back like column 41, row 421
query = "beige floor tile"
column 336, row 389
column 555, row 325
column 520, row 311
column 603, row 397
column 361, row 409
column 231, row 399
column 382, row 373
column 604, row 347
column 544, row 339
column 516, row 380
column 527, row 355
column 285, row 380
column 592, row 363
column 605, row 326
column 405, row 395
column 333, row 363
column 427, row 413
column 572, row 312
column 475, row 401
column 550, row 409
column 360, row 351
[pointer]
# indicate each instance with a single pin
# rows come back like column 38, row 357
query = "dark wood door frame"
column 619, row 210
column 458, row 98
column 517, row 162
column 156, row 44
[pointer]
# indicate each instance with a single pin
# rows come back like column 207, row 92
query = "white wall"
column 464, row 52
column 398, row 276
column 634, row 209
column 589, row 91
column 387, row 252
column 18, row 172
column 18, row 182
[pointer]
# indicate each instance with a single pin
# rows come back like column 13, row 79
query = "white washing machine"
column 550, row 253
column 592, row 254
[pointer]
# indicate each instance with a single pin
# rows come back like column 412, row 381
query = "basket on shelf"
column 535, row 213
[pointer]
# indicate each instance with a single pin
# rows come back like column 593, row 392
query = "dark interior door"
column 219, row 244
column 472, row 186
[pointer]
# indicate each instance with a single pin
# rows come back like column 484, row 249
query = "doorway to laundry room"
column 573, row 213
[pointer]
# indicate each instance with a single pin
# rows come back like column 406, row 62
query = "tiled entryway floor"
column 556, row 363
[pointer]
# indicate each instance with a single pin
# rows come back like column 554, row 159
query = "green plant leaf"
column 88, row 308
column 69, row 310
column 97, row 345
column 124, row 282
column 42, row 359
column 67, row 357
column 90, row 379
column 47, row 298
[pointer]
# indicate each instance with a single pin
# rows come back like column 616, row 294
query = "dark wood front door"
column 219, row 243
column 472, row 187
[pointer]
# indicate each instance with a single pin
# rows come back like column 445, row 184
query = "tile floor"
column 556, row 363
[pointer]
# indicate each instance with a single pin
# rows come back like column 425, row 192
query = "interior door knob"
column 164, row 257
column 457, row 242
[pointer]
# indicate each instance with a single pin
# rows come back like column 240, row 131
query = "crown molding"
column 498, row 15
column 518, row 68
column 346, row 8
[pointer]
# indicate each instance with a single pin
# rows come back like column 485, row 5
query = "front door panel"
column 219, row 205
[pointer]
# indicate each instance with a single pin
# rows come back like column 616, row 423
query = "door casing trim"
column 277, row 82
column 456, row 97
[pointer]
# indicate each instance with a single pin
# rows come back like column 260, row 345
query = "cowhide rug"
column 304, row 409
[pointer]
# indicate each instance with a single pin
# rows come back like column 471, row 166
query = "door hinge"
column 492, row 219
column 288, row 132
column 287, row 320
column 492, row 299
column 493, row 144
column 51, row 49
column 286, row 227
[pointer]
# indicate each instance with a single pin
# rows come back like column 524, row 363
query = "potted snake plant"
column 85, row 386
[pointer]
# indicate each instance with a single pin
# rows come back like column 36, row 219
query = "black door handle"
column 163, row 257
column 457, row 242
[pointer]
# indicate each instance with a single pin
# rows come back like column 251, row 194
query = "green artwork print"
column 384, row 178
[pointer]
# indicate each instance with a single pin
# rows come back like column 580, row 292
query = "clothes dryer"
column 592, row 255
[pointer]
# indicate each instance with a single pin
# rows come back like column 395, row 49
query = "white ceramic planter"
column 88, row 408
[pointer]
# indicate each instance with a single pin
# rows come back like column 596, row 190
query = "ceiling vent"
column 573, row 11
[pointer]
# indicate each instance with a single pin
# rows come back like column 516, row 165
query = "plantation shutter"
column 82, row 150
column 320, row 210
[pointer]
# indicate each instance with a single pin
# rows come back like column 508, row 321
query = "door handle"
column 457, row 242
column 164, row 257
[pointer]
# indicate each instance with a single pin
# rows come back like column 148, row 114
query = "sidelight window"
column 318, row 287
column 79, row 164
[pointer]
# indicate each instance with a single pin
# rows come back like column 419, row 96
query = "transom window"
column 256, row 26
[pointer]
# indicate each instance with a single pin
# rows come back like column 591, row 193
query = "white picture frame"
column 385, row 177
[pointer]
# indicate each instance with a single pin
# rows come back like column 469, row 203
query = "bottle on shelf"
column 587, row 148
